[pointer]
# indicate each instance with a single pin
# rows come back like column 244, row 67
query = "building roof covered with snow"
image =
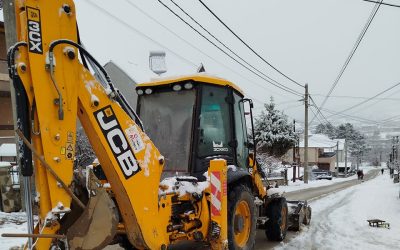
column 319, row 141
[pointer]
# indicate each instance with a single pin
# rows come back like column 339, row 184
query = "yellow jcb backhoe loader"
column 211, row 191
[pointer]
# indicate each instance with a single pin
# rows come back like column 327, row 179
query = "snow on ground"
column 12, row 223
column 339, row 220
column 299, row 185
column 8, row 149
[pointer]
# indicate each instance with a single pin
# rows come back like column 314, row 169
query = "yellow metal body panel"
column 137, row 196
column 134, row 177
column 256, row 178
column 200, row 77
column 53, row 132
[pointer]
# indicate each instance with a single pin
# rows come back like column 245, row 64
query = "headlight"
column 140, row 91
column 188, row 85
column 177, row 87
column 148, row 91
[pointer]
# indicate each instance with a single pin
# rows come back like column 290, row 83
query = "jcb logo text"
column 117, row 141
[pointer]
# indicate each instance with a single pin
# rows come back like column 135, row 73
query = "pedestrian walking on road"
column 360, row 174
column 382, row 170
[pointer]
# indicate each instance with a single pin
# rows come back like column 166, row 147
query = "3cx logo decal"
column 34, row 31
column 117, row 141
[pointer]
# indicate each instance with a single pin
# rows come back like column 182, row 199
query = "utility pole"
column 345, row 158
column 392, row 165
column 294, row 153
column 306, row 134
column 298, row 156
column 337, row 158
column 397, row 154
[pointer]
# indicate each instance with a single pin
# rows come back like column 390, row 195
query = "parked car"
column 320, row 174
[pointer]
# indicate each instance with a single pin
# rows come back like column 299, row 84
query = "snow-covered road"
column 340, row 219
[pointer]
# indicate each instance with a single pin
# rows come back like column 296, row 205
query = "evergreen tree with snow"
column 274, row 135
column 326, row 129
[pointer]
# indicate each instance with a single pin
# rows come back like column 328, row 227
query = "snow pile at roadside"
column 299, row 185
column 339, row 220
column 12, row 223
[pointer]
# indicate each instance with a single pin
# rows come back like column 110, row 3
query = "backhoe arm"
column 60, row 89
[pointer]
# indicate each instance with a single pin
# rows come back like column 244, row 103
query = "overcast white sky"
column 309, row 40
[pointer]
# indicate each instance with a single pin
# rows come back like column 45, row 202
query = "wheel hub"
column 239, row 223
column 242, row 223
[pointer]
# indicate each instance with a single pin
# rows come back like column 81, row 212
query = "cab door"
column 240, row 133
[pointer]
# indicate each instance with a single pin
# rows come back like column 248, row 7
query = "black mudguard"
column 237, row 174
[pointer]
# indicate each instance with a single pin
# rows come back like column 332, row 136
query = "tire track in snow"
column 320, row 230
column 339, row 219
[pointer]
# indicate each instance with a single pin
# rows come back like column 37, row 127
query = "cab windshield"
column 167, row 118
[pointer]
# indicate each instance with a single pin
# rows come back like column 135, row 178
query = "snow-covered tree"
column 268, row 163
column 274, row 135
column 326, row 129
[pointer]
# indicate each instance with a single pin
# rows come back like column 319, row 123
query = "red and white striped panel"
column 215, row 178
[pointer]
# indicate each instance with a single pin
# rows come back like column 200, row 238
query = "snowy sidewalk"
column 340, row 220
column 12, row 223
column 300, row 185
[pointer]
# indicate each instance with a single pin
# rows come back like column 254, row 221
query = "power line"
column 359, row 39
column 250, row 48
column 358, row 97
column 127, row 25
column 351, row 117
column 219, row 41
column 387, row 4
column 318, row 111
column 261, row 108
column 278, row 85
column 369, row 99
column 196, row 48
column 131, row 28
column 316, row 116
column 292, row 106
column 390, row 119
column 378, row 100
column 360, row 119
column 286, row 102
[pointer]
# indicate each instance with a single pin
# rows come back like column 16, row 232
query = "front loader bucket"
column 97, row 225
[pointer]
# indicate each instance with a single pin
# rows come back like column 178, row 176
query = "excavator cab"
column 193, row 120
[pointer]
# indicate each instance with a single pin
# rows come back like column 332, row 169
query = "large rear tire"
column 277, row 223
column 241, row 218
